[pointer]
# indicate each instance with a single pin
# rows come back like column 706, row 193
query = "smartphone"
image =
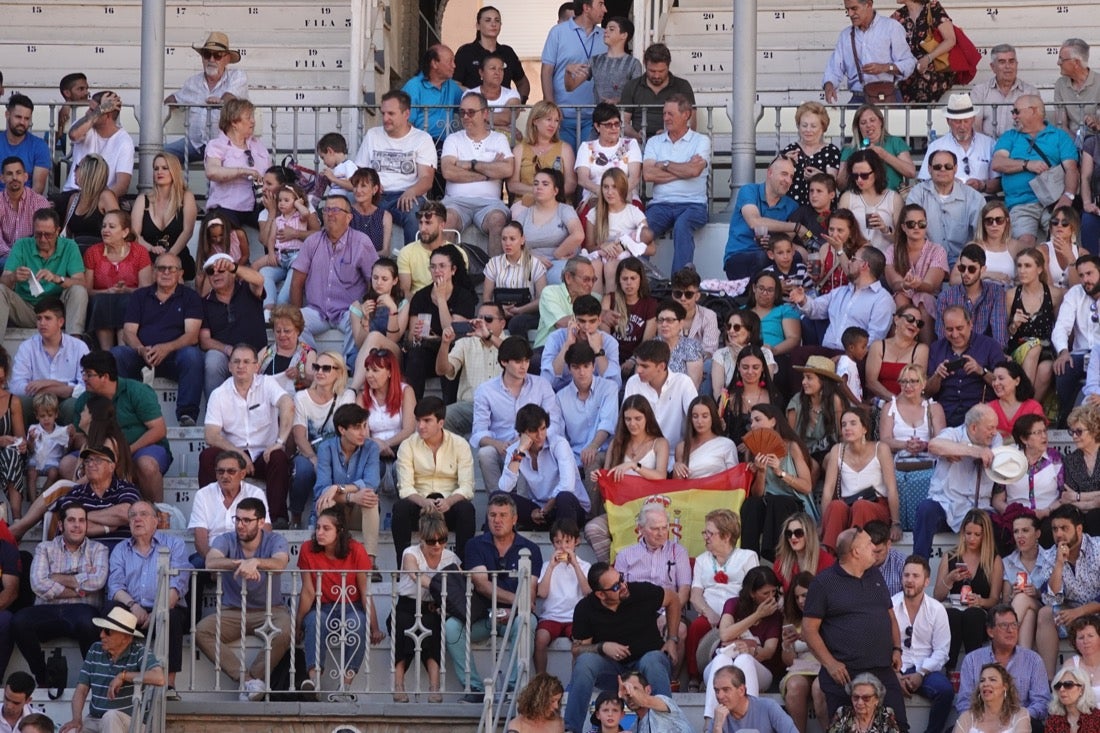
column 462, row 328
column 955, row 364
column 380, row 319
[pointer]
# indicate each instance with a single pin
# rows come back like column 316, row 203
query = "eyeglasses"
column 89, row 375
column 913, row 320
column 1076, row 432
column 994, row 220
column 245, row 520
column 614, row 124
column 1065, row 685
column 617, row 586
column 667, row 319
column 708, row 533
column 909, row 637
column 95, row 460
column 943, row 167
column 1060, row 222
column 226, row 471
column 967, row 268
column 916, row 224
column 336, row 210
column 425, row 216
column 797, row 532
column 45, row 235
column 864, row 698
column 168, row 268
column 1019, row 110
column 684, row 294
column 908, row 382
column 326, row 368
column 437, row 541
column 863, row 176
column 216, row 55
column 1007, row 625
column 468, row 112
column 735, row 327
column 763, row 289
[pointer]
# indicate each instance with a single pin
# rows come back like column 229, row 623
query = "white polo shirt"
column 210, row 513
column 251, row 422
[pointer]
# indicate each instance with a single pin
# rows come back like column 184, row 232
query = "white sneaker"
column 254, row 691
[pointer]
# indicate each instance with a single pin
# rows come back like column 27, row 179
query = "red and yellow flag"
column 688, row 501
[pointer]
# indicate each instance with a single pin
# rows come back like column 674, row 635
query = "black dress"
column 967, row 624
column 166, row 238
column 1039, row 326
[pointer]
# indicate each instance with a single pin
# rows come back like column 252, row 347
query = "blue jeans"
column 479, row 631
column 683, row 219
column 184, row 365
column 1090, row 232
column 177, row 148
column 568, row 130
column 931, row 518
column 347, row 623
column 301, row 484
column 745, row 264
column 939, row 691
column 317, row 324
column 1068, row 386
column 406, row 220
column 591, row 670
column 277, row 281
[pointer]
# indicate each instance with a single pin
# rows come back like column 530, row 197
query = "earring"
column 763, row 384
column 739, row 384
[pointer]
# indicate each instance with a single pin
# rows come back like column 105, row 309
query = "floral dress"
column 824, row 159
column 927, row 86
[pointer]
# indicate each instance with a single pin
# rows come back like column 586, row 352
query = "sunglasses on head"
column 425, row 216
column 912, row 320
column 995, row 220
column 967, row 268
column 916, row 224
column 797, row 532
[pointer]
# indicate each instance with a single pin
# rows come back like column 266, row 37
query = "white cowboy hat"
column 960, row 107
column 1009, row 464
column 119, row 619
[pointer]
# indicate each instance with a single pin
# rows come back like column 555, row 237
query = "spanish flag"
column 688, row 502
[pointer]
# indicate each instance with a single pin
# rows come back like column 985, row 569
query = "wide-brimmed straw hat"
column 960, row 107
column 119, row 619
column 218, row 41
column 822, row 366
column 1009, row 465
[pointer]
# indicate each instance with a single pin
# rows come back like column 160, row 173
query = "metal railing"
column 149, row 701
column 338, row 634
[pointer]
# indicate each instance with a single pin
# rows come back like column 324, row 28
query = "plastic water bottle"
column 1079, row 138
column 387, row 522
column 932, row 135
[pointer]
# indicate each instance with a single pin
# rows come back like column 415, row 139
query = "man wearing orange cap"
column 215, row 85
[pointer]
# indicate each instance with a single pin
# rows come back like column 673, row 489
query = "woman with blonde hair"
column 617, row 228
column 810, row 154
column 970, row 575
column 994, row 235
column 911, row 420
column 541, row 148
column 994, row 705
column 87, row 206
column 164, row 218
column 235, row 162
column 1032, row 308
column 799, row 549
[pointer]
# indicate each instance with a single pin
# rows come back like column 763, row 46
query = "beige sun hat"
column 218, row 41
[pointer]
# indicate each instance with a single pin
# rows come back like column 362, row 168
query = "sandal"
column 399, row 694
column 434, row 694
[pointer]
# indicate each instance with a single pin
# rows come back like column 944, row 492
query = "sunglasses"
column 1076, row 432
column 943, row 167
column 797, row 532
column 248, row 156
column 226, row 471
column 863, row 176
column 617, row 586
column 966, row 166
column 468, row 112
column 167, row 268
column 912, row 320
column 425, row 216
column 210, row 270
column 490, row 319
column 994, row 220
column 668, row 319
column 1060, row 222
column 967, row 268
column 326, row 368
column 1067, row 685
column 684, row 294
column 336, row 210
column 437, row 541
column 735, row 327
column 216, row 55
column 916, row 224
column 1095, row 316
column 909, row 637
column 863, row 698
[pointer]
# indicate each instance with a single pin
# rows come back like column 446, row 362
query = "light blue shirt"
column 423, row 92
column 883, row 42
column 1044, row 566
column 952, row 219
column 870, row 307
column 554, row 344
column 556, row 473
column 683, row 190
column 137, row 574
column 584, row 418
column 495, row 408
column 567, row 43
column 32, row 362
column 363, row 469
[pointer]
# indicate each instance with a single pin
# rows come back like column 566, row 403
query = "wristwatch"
column 665, row 165
column 673, row 639
column 601, row 352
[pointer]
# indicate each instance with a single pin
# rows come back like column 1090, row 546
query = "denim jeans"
column 931, row 518
column 591, row 670
column 683, row 219
column 185, row 365
column 344, row 622
column 405, row 220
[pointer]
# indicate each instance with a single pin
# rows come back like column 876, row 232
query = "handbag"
column 873, row 91
column 932, row 41
column 456, row 596
column 512, row 296
column 1049, row 185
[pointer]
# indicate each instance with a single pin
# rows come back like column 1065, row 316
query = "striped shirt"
column 667, row 566
column 505, row 274
column 98, row 670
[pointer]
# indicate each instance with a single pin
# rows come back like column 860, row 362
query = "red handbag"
column 964, row 58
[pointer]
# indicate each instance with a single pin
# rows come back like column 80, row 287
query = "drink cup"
column 1021, row 579
column 814, row 265
column 964, row 595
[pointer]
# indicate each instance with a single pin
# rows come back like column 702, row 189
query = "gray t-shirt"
column 610, row 75
column 543, row 238
column 271, row 544
column 764, row 715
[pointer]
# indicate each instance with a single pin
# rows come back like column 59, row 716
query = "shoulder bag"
column 1049, row 185
column 882, row 92
column 932, row 41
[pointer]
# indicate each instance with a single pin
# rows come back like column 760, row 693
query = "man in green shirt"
column 138, row 412
column 43, row 266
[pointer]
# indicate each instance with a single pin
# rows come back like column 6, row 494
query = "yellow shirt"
column 450, row 470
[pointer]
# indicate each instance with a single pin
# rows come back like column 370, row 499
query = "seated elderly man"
column 659, row 559
column 49, row 362
column 43, row 266
column 138, row 412
column 215, row 84
column 132, row 581
column 252, row 415
column 232, row 313
column 68, row 576
column 105, row 497
column 960, row 365
column 99, row 132
column 161, row 331
column 959, row 482
column 214, row 505
column 973, row 149
column 18, row 203
column 951, row 207
column 111, row 668
column 556, row 302
column 250, row 556
column 331, row 271
column 475, row 162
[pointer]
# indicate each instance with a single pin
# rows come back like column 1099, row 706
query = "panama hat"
column 960, row 107
column 218, row 41
column 822, row 366
column 1009, row 464
column 119, row 619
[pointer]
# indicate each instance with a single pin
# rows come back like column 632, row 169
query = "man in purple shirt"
column 331, row 271
column 960, row 365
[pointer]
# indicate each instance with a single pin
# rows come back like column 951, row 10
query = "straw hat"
column 960, row 107
column 218, row 41
column 119, row 619
column 822, row 366
column 1009, row 464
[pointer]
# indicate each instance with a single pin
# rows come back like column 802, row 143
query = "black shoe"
column 475, row 698
column 280, row 523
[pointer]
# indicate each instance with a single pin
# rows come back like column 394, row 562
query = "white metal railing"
column 336, row 634
column 149, row 701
